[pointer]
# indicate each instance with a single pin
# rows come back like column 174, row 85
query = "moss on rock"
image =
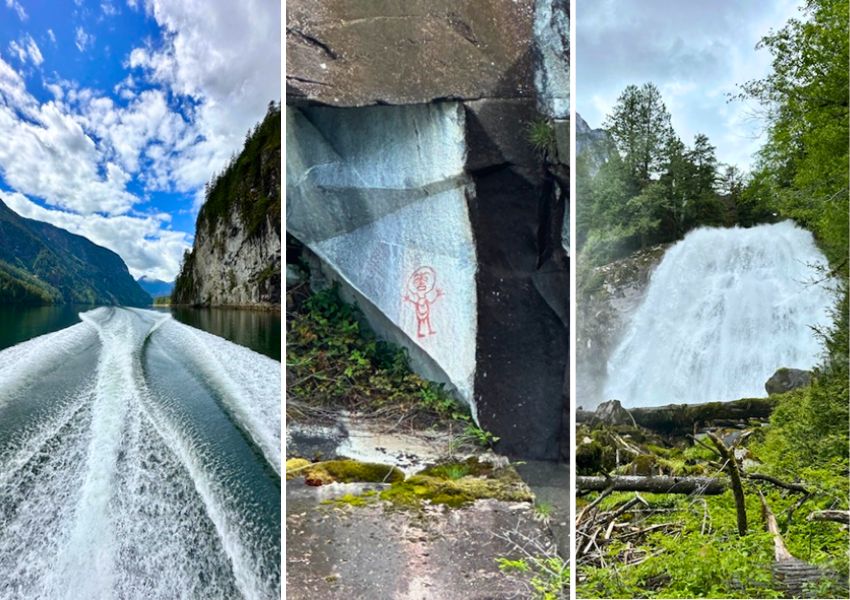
column 351, row 471
column 295, row 467
column 444, row 484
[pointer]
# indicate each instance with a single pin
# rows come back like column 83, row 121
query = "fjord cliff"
column 235, row 260
column 43, row 264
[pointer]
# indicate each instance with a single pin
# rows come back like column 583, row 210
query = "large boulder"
column 343, row 53
column 785, row 380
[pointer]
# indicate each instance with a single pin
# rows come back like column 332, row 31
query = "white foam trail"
column 25, row 363
column 87, row 566
column 103, row 494
column 248, row 382
column 724, row 309
column 229, row 527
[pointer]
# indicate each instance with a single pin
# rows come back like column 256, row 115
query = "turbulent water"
column 724, row 309
column 139, row 458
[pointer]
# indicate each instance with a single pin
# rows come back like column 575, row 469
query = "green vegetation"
column 452, row 484
column 541, row 135
column 42, row 264
column 334, row 361
column 688, row 546
column 548, row 575
column 251, row 182
column 653, row 189
column 458, row 484
column 249, row 187
column 342, row 471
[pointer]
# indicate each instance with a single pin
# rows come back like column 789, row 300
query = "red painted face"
column 422, row 280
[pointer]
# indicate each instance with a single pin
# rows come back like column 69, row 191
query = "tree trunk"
column 706, row 486
column 735, row 481
column 679, row 419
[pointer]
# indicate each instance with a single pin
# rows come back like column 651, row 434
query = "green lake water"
column 258, row 330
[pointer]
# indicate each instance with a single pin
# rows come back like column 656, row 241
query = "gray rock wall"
column 411, row 176
column 232, row 268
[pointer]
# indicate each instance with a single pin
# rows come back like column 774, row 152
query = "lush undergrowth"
column 676, row 546
column 334, row 361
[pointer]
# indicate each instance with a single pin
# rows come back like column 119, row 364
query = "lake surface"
column 258, row 330
column 21, row 323
column 139, row 458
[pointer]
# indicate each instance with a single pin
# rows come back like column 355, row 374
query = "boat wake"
column 139, row 458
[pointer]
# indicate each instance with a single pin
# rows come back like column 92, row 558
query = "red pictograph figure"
column 421, row 285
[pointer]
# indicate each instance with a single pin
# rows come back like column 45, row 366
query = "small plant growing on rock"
column 541, row 135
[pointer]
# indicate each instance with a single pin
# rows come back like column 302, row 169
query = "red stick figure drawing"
column 421, row 285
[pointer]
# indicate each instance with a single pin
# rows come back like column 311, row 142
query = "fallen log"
column 679, row 419
column 662, row 484
column 795, row 575
column 839, row 516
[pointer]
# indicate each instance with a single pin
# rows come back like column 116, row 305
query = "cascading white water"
column 724, row 310
column 128, row 471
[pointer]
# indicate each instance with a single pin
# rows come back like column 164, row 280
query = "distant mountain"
column 235, row 260
column 43, row 264
column 155, row 287
column 594, row 147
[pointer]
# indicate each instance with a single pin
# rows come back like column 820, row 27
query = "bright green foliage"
column 803, row 171
column 541, row 135
column 548, row 576
column 334, row 361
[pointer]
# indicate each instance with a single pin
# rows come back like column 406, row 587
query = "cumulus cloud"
column 224, row 55
column 697, row 53
column 180, row 112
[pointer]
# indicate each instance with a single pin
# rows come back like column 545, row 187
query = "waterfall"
column 724, row 309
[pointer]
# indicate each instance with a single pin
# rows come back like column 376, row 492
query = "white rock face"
column 552, row 74
column 229, row 270
column 379, row 194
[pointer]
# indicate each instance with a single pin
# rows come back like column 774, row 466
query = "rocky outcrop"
column 43, row 264
column 236, row 256
column 785, row 380
column 608, row 296
column 411, row 175
column 594, row 147
column 348, row 54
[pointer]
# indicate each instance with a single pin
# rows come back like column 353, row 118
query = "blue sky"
column 115, row 113
column 695, row 52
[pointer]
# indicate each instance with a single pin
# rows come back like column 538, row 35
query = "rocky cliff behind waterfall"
column 235, row 260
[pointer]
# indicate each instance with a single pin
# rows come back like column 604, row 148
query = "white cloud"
column 25, row 49
column 34, row 51
column 18, row 50
column 697, row 53
column 51, row 35
column 18, row 8
column 82, row 39
column 108, row 8
column 217, row 60
column 225, row 55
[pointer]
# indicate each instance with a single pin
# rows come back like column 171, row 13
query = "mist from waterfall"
column 724, row 310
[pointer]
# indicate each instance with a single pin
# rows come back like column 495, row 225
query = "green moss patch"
column 458, row 484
